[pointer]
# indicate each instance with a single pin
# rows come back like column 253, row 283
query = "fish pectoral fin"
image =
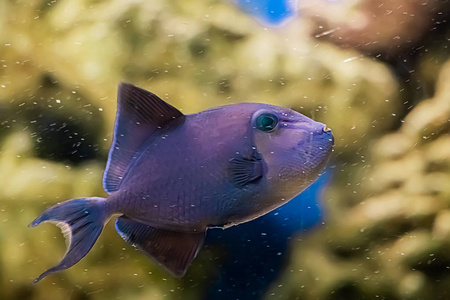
column 245, row 170
column 173, row 250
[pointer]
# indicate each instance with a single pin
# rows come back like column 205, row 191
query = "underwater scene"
column 183, row 129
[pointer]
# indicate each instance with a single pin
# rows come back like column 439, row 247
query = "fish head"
column 294, row 148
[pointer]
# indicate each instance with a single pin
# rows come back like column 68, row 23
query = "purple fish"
column 171, row 176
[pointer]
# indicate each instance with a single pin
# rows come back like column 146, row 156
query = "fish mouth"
column 325, row 129
column 328, row 134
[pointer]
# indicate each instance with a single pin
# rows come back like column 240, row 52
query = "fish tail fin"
column 81, row 221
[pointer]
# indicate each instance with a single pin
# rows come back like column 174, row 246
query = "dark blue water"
column 256, row 252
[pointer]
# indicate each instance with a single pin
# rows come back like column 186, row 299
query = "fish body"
column 171, row 176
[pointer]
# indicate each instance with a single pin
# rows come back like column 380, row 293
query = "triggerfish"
column 170, row 176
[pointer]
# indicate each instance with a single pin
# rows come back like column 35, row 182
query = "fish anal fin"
column 173, row 250
column 140, row 114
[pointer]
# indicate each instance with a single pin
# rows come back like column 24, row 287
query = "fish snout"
column 325, row 131
column 319, row 133
column 321, row 129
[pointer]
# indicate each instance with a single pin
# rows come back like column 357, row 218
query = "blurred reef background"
column 376, row 226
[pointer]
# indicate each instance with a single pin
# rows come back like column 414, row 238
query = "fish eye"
column 266, row 122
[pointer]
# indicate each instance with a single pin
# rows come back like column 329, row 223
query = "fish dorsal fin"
column 173, row 250
column 139, row 115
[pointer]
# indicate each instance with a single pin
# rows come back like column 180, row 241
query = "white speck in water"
column 326, row 32
column 350, row 59
column 58, row 101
